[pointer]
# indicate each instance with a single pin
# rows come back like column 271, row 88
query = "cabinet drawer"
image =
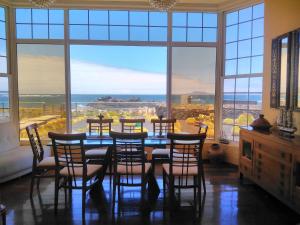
column 276, row 152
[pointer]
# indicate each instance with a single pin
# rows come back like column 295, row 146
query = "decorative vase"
column 261, row 124
column 216, row 154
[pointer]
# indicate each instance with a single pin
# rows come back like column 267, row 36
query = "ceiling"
column 209, row 5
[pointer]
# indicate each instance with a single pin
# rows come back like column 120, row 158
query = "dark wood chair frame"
column 69, row 153
column 38, row 156
column 188, row 155
column 129, row 125
column 160, row 129
column 128, row 151
column 101, row 126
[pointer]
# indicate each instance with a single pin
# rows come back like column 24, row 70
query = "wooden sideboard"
column 273, row 163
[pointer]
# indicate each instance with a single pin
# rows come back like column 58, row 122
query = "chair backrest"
column 185, row 154
column 100, row 126
column 202, row 128
column 128, row 153
column 35, row 142
column 163, row 126
column 69, row 153
column 132, row 125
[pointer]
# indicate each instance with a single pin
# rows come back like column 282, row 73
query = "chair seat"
column 47, row 162
column 178, row 170
column 136, row 170
column 96, row 153
column 161, row 151
column 78, row 170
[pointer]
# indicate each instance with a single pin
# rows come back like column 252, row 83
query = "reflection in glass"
column 283, row 71
column 193, row 87
column 41, row 88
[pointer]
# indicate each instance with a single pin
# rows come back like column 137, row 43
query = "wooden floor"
column 227, row 202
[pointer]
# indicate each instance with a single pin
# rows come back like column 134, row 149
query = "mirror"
column 296, row 48
column 283, row 74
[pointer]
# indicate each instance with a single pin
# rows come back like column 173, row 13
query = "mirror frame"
column 276, row 72
column 295, row 72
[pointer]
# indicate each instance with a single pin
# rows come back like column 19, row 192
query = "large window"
column 119, row 81
column 41, row 88
column 193, row 87
column 244, row 46
column 4, row 78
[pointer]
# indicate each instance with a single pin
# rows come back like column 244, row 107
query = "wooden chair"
column 132, row 125
column 129, row 163
column 185, row 168
column 72, row 170
column 102, row 127
column 41, row 166
column 160, row 128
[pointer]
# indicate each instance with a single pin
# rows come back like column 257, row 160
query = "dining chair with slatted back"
column 130, row 166
column 72, row 170
column 41, row 165
column 132, row 125
column 185, row 167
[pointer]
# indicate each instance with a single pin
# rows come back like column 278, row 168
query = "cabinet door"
column 296, row 183
column 246, row 156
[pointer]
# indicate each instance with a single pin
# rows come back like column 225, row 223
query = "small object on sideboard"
column 261, row 124
column 287, row 131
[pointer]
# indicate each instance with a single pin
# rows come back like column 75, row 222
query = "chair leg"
column 83, row 200
column 153, row 164
column 171, row 194
column 56, row 194
column 114, row 195
column 199, row 196
column 195, row 194
column 32, row 184
column 38, row 184
column 203, row 179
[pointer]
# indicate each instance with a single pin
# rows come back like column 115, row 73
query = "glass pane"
column 194, row 19
column 193, row 87
column 39, row 16
column 257, row 64
column 23, row 15
column 24, row 31
column 40, row 31
column 231, row 50
column 256, row 84
column 231, row 33
column 138, row 18
column 158, row 19
column 210, row 20
column 244, row 48
column 179, row 19
column 258, row 11
column 258, row 46
column 3, row 65
column 241, row 101
column 56, row 31
column 132, row 77
column 229, row 85
column 244, row 66
column 139, row 33
column 209, row 34
column 230, row 67
column 99, row 32
column 242, row 85
column 41, row 80
column 3, row 48
column 56, row 16
column 194, row 35
column 98, row 17
column 283, row 71
column 4, row 99
column 231, row 18
column 244, row 30
column 158, row 33
column 179, row 34
column 2, row 30
column 118, row 17
column 119, row 33
column 245, row 14
column 2, row 14
column 78, row 17
column 258, row 28
column 79, row 32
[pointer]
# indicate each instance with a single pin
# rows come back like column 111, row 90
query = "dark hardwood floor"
column 227, row 202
